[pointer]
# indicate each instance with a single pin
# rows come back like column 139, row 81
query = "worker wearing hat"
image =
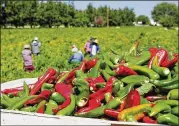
column 94, row 47
column 77, row 56
column 87, row 47
column 27, row 57
column 36, row 46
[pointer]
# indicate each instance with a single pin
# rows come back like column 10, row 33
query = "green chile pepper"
column 144, row 57
column 94, row 72
column 172, row 86
column 82, row 91
column 159, row 107
column 114, row 59
column 162, row 83
column 29, row 108
column 80, row 74
column 168, row 118
column 130, row 118
column 99, row 111
column 41, row 107
column 124, row 91
column 145, row 71
column 171, row 103
column 4, row 103
column 20, row 103
column 135, row 79
column 69, row 109
column 117, row 85
column 173, row 94
column 176, row 69
column 47, row 86
column 108, row 61
column 107, row 96
column 25, row 91
column 7, row 99
column 58, row 98
column 82, row 98
column 162, row 71
column 143, row 100
column 175, row 111
column 100, row 85
column 50, row 106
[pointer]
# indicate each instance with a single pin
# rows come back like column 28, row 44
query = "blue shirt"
column 76, row 57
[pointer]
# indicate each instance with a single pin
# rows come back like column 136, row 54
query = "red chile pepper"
column 122, row 105
column 153, row 51
column 82, row 66
column 133, row 99
column 17, row 89
column 171, row 63
column 122, row 70
column 65, row 90
column 162, row 55
column 52, row 79
column 92, row 104
column 111, row 113
column 44, row 95
column 71, row 74
column 93, row 81
column 155, row 98
column 96, row 98
column 108, row 88
column 148, row 119
column 91, row 63
column 51, row 72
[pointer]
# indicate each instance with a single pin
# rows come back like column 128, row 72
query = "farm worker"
column 77, row 56
column 27, row 57
column 87, row 47
column 36, row 46
column 94, row 48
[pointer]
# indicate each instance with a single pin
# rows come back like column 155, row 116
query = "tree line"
column 56, row 13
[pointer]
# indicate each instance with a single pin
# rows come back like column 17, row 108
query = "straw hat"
column 27, row 46
column 36, row 38
column 74, row 50
column 95, row 41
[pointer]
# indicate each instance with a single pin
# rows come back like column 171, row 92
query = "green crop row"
column 57, row 43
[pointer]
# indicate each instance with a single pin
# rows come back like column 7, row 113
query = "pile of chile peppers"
column 106, row 88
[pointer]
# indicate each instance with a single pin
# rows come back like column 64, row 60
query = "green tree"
column 81, row 19
column 168, row 21
column 144, row 19
column 3, row 15
column 128, row 16
column 30, row 12
column 165, row 10
column 90, row 11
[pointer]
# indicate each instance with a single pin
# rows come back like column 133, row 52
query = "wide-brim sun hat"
column 36, row 38
column 27, row 46
column 74, row 46
column 95, row 41
column 74, row 50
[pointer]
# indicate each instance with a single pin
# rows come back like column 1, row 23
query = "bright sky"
column 140, row 7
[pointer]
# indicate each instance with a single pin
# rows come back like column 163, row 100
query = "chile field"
column 57, row 43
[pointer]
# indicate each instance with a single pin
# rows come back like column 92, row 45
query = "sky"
column 140, row 7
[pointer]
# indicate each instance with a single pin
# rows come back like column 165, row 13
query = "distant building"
column 153, row 23
column 139, row 23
